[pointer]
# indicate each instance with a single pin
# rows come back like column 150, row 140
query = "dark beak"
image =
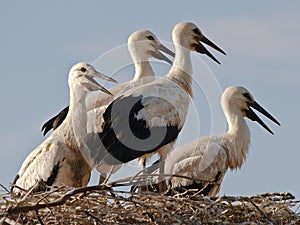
column 201, row 49
column 252, row 116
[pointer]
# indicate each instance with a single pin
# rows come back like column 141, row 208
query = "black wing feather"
column 117, row 142
column 55, row 121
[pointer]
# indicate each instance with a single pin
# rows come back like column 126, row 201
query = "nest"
column 103, row 205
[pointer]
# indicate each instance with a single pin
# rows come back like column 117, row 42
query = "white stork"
column 208, row 158
column 142, row 46
column 147, row 119
column 57, row 161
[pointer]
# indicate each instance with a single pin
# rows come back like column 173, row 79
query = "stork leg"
column 102, row 179
column 143, row 187
column 162, row 157
column 216, row 187
column 162, row 183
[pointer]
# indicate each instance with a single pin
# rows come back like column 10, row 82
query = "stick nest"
column 103, row 205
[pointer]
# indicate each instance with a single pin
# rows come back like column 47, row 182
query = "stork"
column 147, row 119
column 142, row 46
column 207, row 159
column 58, row 161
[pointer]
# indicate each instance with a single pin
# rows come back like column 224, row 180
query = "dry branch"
column 102, row 204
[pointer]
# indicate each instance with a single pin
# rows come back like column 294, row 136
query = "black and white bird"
column 58, row 161
column 207, row 159
column 142, row 46
column 147, row 119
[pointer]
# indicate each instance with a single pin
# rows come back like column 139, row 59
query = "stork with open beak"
column 147, row 119
column 58, row 161
column 142, row 46
column 207, row 159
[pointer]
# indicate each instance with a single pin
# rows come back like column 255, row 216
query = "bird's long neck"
column 76, row 131
column 143, row 70
column 237, row 140
column 181, row 71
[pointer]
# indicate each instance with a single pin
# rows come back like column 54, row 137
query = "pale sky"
column 41, row 41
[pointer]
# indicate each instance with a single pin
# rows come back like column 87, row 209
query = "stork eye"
column 197, row 31
column 246, row 95
column 150, row 38
column 82, row 69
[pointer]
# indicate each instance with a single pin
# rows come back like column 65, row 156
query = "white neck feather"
column 182, row 61
column 143, row 70
column 237, row 140
column 74, row 127
column 181, row 71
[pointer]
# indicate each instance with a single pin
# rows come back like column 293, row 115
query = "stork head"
column 143, row 45
column 239, row 100
column 189, row 36
column 83, row 74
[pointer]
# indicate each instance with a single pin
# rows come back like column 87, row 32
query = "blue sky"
column 41, row 41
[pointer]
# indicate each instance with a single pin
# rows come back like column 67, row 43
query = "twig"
column 62, row 200
column 93, row 216
column 27, row 194
column 129, row 181
column 258, row 209
column 10, row 221
column 4, row 188
column 39, row 218
column 114, row 206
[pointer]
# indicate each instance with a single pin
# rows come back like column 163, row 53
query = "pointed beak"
column 166, row 50
column 158, row 55
column 93, row 85
column 201, row 49
column 251, row 115
column 103, row 77
column 205, row 40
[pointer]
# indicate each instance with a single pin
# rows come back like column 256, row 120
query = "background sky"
column 40, row 42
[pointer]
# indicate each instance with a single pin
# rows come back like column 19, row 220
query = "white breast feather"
column 165, row 103
column 38, row 165
column 200, row 159
column 95, row 120
column 99, row 98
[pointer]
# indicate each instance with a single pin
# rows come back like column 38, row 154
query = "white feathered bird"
column 58, row 161
column 142, row 46
column 208, row 158
column 147, row 119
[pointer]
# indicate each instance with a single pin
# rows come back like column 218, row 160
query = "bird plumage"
column 55, row 121
column 58, row 160
column 128, row 145
column 155, row 106
column 142, row 46
column 208, row 158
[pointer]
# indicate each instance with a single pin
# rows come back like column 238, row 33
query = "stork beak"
column 201, row 49
column 103, row 77
column 93, row 85
column 205, row 40
column 158, row 55
column 166, row 50
column 251, row 115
